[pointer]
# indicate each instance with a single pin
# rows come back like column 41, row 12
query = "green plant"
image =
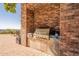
column 10, row 7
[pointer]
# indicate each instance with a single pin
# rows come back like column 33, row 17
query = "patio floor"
column 8, row 47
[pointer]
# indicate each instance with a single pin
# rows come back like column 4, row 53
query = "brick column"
column 69, row 28
column 24, row 40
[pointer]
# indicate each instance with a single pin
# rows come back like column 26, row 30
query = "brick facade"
column 43, row 15
column 24, row 40
column 69, row 28
column 65, row 16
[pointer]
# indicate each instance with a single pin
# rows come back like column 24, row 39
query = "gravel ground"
column 8, row 47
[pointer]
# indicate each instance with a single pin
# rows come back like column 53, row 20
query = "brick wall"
column 64, row 15
column 43, row 15
column 69, row 28
column 24, row 40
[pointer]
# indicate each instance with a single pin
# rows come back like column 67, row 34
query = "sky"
column 9, row 20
